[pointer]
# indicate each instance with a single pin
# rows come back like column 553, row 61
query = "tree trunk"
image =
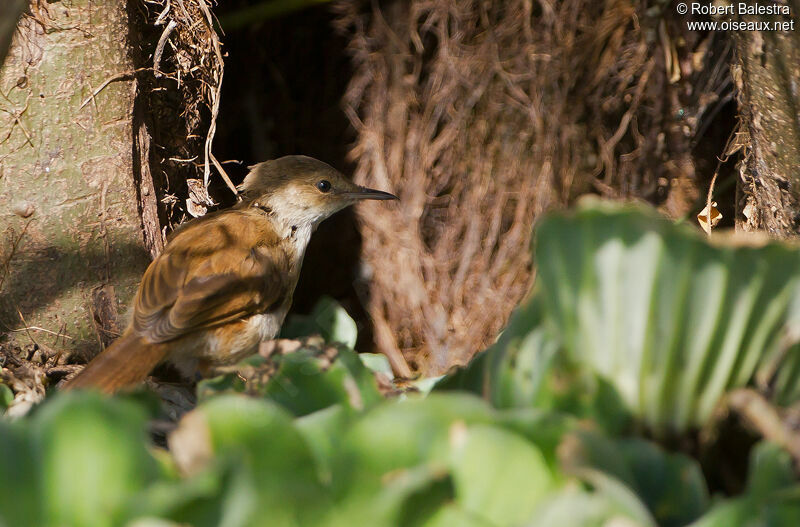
column 10, row 11
column 766, row 75
column 70, row 216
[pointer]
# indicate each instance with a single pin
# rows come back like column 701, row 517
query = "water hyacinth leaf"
column 545, row 429
column 421, row 454
column 6, row 397
column 402, row 434
column 201, row 500
column 305, row 383
column 511, row 372
column 781, row 509
column 426, row 503
column 451, row 514
column 771, row 469
column 575, row 507
column 280, row 472
column 670, row 485
column 497, row 474
column 378, row 363
column 772, row 496
column 669, row 320
column 20, row 502
column 781, row 369
column 328, row 319
column 394, row 454
column 92, row 460
column 323, row 431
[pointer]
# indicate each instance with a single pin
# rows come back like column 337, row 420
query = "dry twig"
column 765, row 419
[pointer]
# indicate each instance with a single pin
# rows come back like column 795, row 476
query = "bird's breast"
column 227, row 344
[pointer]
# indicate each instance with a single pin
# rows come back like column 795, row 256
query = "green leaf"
column 497, row 474
column 395, row 451
column 771, row 469
column 451, row 514
column 91, row 458
column 377, row 362
column 575, row 507
column 542, row 428
column 668, row 320
column 211, row 498
column 671, row 485
column 323, row 431
column 400, row 434
column 305, row 383
column 328, row 319
column 276, row 474
column 20, row 500
column 6, row 396
column 779, row 510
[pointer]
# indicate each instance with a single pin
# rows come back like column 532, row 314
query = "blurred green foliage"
column 634, row 316
column 635, row 324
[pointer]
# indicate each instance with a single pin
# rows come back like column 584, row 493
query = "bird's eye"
column 324, row 185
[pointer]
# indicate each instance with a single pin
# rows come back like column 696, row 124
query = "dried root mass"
column 481, row 115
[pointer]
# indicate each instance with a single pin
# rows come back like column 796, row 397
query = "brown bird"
column 225, row 281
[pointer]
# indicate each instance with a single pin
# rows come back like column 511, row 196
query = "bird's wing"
column 183, row 291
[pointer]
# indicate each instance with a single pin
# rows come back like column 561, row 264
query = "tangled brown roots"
column 481, row 115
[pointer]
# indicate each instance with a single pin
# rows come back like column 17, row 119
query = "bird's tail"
column 125, row 363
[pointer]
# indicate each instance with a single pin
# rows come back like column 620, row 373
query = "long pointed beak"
column 369, row 193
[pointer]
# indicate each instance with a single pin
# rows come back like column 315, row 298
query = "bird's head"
column 301, row 190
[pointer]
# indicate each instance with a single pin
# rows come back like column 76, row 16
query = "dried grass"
column 482, row 115
column 184, row 94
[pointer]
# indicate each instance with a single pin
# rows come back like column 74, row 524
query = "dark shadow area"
column 709, row 148
column 37, row 282
column 284, row 81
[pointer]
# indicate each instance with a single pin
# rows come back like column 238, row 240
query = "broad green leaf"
column 323, row 431
column 401, row 434
column 152, row 522
column 772, row 497
column 671, row 485
column 575, row 507
column 328, row 319
column 208, row 499
column 6, row 396
column 91, row 458
column 545, row 429
column 279, row 463
column 397, row 450
column 451, row 515
column 377, row 362
column 781, row 509
column 497, row 474
column 771, row 469
column 255, row 467
column 20, row 481
column 670, row 321
column 305, row 383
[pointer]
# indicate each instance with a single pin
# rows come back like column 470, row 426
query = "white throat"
column 293, row 220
